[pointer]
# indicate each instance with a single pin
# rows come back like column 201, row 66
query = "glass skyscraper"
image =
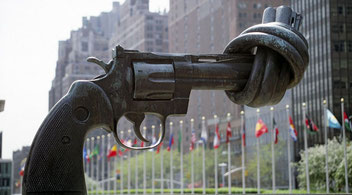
column 327, row 26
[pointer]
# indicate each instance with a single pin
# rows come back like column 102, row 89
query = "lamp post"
column 223, row 165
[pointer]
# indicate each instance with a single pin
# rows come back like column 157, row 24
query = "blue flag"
column 332, row 121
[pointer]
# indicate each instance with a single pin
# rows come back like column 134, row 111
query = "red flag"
column 216, row 137
column 260, row 128
column 193, row 140
column 112, row 151
column 311, row 127
column 158, row 148
column 244, row 134
column 276, row 131
column 228, row 132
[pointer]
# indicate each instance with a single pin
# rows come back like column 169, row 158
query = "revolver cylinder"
column 159, row 81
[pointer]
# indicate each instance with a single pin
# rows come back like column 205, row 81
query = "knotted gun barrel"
column 255, row 69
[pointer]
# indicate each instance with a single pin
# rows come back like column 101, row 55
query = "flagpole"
column 103, row 164
column 86, row 159
column 171, row 164
column 192, row 159
column 203, row 124
column 92, row 165
column 121, row 170
column 161, row 165
column 326, row 147
column 344, row 145
column 216, row 161
column 243, row 155
column 258, row 159
column 136, row 170
column 97, row 168
column 153, row 171
column 273, row 134
column 229, row 157
column 144, row 165
column 306, row 148
column 289, row 151
column 109, row 163
column 129, row 166
column 181, row 129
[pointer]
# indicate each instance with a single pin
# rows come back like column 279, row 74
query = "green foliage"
column 316, row 160
column 266, row 165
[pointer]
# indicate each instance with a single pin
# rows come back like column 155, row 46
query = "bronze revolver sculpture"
column 256, row 69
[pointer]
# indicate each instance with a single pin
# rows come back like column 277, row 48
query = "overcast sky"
column 29, row 35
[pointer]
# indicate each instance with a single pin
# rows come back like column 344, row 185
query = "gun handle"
column 55, row 161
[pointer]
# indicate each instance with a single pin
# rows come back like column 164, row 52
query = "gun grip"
column 55, row 161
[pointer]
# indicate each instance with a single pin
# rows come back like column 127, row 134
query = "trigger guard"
column 161, row 138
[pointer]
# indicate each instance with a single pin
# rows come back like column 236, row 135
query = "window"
column 84, row 46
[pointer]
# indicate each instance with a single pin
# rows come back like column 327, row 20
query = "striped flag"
column 216, row 137
column 292, row 129
column 171, row 142
column 228, row 132
column 260, row 128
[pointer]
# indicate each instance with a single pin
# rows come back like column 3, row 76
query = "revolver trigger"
column 136, row 119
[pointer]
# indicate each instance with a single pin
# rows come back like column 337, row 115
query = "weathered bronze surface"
column 255, row 69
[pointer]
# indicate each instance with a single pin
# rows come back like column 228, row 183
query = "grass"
column 234, row 190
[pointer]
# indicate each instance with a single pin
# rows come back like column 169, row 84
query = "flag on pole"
column 171, row 142
column 347, row 122
column 193, row 140
column 135, row 141
column 276, row 131
column 179, row 140
column 22, row 169
column 85, row 154
column 244, row 134
column 260, row 128
column 160, row 145
column 204, row 135
column 311, row 127
column 292, row 129
column 122, row 149
column 228, row 132
column 216, row 137
column 332, row 121
column 95, row 151
column 112, row 152
column 142, row 144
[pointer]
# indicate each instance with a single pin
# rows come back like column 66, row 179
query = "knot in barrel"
column 281, row 57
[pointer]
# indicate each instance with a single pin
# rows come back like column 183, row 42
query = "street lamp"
column 2, row 105
column 223, row 165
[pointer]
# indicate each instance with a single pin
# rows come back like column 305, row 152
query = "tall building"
column 92, row 39
column 327, row 26
column 207, row 26
column 140, row 29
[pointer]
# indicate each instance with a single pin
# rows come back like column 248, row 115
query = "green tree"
column 317, row 171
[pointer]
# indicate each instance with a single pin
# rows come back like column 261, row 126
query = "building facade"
column 6, row 171
column 18, row 158
column 327, row 26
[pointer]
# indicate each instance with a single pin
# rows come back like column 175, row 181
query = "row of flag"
column 260, row 129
